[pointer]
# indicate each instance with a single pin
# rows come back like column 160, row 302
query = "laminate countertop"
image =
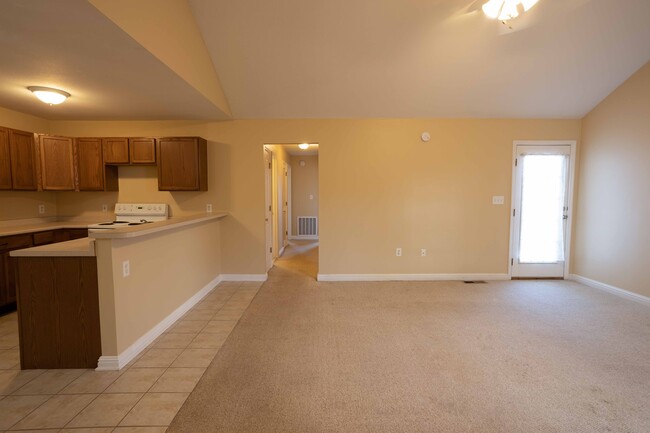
column 84, row 247
column 155, row 227
column 33, row 226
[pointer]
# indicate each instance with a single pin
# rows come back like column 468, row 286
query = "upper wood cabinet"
column 5, row 160
column 116, row 150
column 142, row 150
column 182, row 164
column 57, row 163
column 24, row 162
column 92, row 174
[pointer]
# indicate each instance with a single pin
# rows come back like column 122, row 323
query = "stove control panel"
column 149, row 209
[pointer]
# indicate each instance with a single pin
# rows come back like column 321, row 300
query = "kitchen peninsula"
column 146, row 277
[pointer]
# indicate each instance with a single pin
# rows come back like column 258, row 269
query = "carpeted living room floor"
column 512, row 356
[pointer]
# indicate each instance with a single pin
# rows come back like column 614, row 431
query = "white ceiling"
column 420, row 58
column 330, row 59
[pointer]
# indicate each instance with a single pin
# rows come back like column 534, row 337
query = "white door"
column 268, row 213
column 285, row 206
column 541, row 210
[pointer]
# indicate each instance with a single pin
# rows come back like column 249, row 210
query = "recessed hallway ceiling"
column 314, row 59
column 420, row 58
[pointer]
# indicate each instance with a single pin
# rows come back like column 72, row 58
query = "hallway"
column 300, row 256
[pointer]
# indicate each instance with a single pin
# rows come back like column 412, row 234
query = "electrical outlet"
column 126, row 268
column 41, row 208
column 208, row 208
column 398, row 252
column 423, row 252
column 104, row 208
column 498, row 199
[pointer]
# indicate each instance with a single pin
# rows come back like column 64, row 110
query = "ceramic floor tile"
column 136, row 380
column 220, row 326
column 178, row 380
column 56, row 412
column 228, row 315
column 155, row 409
column 87, row 430
column 185, row 326
column 105, row 411
column 9, row 359
column 9, row 341
column 11, row 380
column 15, row 408
column 195, row 358
column 199, row 315
column 158, row 358
column 206, row 340
column 140, row 430
column 209, row 305
column 173, row 341
column 50, row 382
column 92, row 382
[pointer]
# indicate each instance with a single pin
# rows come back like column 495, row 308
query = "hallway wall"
column 304, row 189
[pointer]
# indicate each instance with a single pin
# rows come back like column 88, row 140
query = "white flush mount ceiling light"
column 49, row 95
column 304, row 146
column 505, row 10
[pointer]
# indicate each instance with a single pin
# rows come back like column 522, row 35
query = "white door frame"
column 289, row 201
column 572, row 164
column 268, row 212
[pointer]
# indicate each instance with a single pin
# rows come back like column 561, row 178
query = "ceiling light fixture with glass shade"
column 304, row 146
column 49, row 95
column 505, row 10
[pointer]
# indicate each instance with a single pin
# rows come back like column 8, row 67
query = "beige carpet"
column 524, row 356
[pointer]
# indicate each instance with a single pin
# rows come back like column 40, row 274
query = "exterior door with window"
column 541, row 211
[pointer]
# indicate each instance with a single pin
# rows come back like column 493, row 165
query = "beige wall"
column 16, row 204
column 612, row 242
column 132, row 306
column 380, row 188
column 304, row 183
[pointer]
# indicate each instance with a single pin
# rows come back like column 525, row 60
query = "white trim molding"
column 412, row 277
column 119, row 361
column 244, row 277
column 611, row 289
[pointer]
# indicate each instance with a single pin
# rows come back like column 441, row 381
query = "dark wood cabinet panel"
column 142, row 150
column 57, row 163
column 116, row 150
column 7, row 271
column 92, row 174
column 44, row 238
column 61, row 292
column 5, row 160
column 24, row 163
column 182, row 164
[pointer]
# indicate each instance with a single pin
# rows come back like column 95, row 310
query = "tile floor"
column 143, row 397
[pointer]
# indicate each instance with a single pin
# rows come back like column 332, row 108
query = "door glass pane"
column 542, row 209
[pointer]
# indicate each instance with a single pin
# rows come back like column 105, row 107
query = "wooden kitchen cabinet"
column 7, row 266
column 116, row 150
column 142, row 150
column 5, row 160
column 92, row 174
column 182, row 164
column 24, row 162
column 57, row 163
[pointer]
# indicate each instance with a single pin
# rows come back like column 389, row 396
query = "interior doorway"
column 291, row 182
column 542, row 201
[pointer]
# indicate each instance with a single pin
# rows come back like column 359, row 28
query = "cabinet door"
column 90, row 164
column 57, row 163
column 22, row 149
column 142, row 150
column 116, row 150
column 182, row 164
column 7, row 266
column 5, row 161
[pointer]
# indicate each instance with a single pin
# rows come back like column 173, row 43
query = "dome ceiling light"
column 504, row 10
column 304, row 146
column 49, row 95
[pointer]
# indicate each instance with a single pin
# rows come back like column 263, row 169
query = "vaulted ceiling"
column 219, row 59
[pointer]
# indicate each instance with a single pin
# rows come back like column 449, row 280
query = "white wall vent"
column 307, row 226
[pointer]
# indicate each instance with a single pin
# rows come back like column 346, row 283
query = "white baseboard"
column 303, row 237
column 244, row 277
column 611, row 289
column 281, row 251
column 119, row 361
column 412, row 277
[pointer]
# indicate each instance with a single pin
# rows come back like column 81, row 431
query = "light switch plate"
column 498, row 199
column 126, row 268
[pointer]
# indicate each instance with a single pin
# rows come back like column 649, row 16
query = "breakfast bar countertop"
column 84, row 247
column 154, row 227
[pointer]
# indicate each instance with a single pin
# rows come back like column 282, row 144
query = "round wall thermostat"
column 425, row 136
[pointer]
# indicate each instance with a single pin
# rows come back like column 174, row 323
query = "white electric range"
column 134, row 214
